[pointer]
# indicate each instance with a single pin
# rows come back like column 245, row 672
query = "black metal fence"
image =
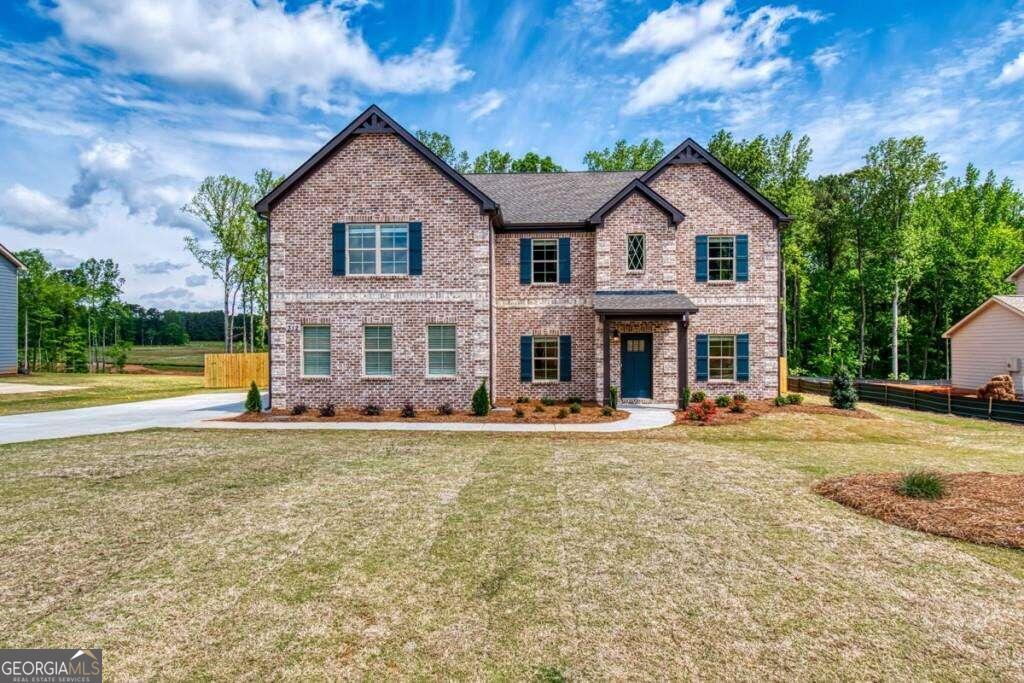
column 930, row 401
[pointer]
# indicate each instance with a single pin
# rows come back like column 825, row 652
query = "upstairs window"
column 635, row 252
column 377, row 355
column 316, row 350
column 721, row 259
column 378, row 248
column 545, row 261
column 721, row 357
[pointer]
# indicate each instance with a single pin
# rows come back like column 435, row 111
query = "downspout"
column 780, row 306
column 490, row 308
column 270, row 326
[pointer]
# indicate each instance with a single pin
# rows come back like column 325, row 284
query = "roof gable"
column 373, row 120
column 1016, row 275
column 675, row 216
column 9, row 255
column 1014, row 304
column 689, row 152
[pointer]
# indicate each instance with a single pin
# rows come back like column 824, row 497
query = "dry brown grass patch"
column 980, row 507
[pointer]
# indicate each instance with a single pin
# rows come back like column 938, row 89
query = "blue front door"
column 636, row 365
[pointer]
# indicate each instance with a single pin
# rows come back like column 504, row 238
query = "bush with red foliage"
column 701, row 412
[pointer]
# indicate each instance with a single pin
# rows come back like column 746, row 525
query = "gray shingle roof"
column 570, row 197
column 665, row 303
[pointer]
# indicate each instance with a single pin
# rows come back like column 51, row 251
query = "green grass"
column 922, row 484
column 94, row 390
column 698, row 551
column 187, row 358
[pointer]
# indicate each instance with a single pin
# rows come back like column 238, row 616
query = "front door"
column 636, row 365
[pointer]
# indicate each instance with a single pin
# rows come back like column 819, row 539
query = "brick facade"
column 471, row 280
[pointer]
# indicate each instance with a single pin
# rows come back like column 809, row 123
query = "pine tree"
column 253, row 401
column 481, row 401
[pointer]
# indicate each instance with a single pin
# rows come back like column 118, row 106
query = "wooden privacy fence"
column 236, row 370
column 928, row 400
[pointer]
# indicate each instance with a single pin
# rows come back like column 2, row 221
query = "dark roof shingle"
column 570, row 197
column 620, row 303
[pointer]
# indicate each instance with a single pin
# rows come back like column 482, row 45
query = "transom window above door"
column 721, row 258
column 635, row 252
column 545, row 261
column 378, row 248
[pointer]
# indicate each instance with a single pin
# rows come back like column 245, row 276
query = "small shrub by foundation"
column 607, row 411
column 698, row 396
column 922, row 484
column 723, row 401
column 518, row 412
column 408, row 410
column 781, row 400
column 575, row 407
column 481, row 400
column 538, row 408
column 548, row 401
column 701, row 412
column 562, row 413
column 523, row 399
column 574, row 399
column 445, row 409
column 613, row 397
column 371, row 410
column 327, row 410
column 794, row 399
column 299, row 409
column 253, row 401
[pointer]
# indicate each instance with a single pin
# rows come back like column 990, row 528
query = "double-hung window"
column 377, row 353
column 377, row 248
column 721, row 357
column 316, row 350
column 545, row 261
column 545, row 359
column 635, row 252
column 721, row 258
column 441, row 350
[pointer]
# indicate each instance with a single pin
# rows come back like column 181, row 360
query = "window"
column 721, row 258
column 316, row 350
column 635, row 252
column 635, row 345
column 441, row 350
column 545, row 359
column 378, row 249
column 721, row 358
column 545, row 261
column 377, row 350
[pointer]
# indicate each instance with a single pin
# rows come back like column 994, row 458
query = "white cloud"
column 826, row 57
column 178, row 298
column 159, row 267
column 1012, row 71
column 227, row 138
column 196, row 280
column 33, row 211
column 61, row 259
column 255, row 48
column 481, row 105
column 715, row 49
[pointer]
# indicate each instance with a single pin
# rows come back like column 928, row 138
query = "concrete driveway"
column 182, row 411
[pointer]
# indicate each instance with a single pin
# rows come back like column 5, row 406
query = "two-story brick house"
column 394, row 278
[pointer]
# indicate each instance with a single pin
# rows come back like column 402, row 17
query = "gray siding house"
column 9, row 267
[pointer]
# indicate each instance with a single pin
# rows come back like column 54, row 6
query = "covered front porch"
column 644, row 345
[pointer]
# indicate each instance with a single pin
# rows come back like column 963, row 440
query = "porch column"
column 606, row 344
column 682, row 360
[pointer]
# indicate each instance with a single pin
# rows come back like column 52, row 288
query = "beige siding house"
column 990, row 341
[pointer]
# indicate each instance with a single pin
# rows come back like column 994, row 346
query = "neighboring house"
column 989, row 341
column 9, row 267
column 394, row 278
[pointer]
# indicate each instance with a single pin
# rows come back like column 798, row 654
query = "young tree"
column 531, row 162
column 626, row 157
column 442, row 145
column 492, row 161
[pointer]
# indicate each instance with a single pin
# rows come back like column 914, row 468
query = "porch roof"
column 643, row 303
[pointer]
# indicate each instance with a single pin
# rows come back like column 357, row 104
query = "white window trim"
column 454, row 349
column 643, row 237
column 722, row 380
column 377, row 249
column 558, row 360
column 366, row 375
column 731, row 280
column 533, row 263
column 302, row 352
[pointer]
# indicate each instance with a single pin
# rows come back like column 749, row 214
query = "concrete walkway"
column 208, row 411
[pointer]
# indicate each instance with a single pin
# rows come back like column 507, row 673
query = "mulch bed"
column 589, row 414
column 724, row 416
column 980, row 507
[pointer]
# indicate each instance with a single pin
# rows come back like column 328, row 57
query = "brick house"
column 395, row 278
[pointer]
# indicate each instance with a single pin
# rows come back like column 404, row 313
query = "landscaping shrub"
column 481, row 401
column 702, row 412
column 371, row 410
column 781, row 400
column 548, row 401
column 327, row 410
column 408, row 410
column 538, row 408
column 299, row 409
column 843, row 395
column 686, row 397
column 518, row 412
column 739, row 398
column 613, row 397
column 445, row 409
column 574, row 399
column 698, row 396
column 794, row 399
column 607, row 411
column 253, row 401
column 562, row 413
column 739, row 403
column 523, row 399
column 922, row 484
column 575, row 407
column 723, row 401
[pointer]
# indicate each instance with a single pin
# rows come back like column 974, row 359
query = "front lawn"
column 677, row 553
column 94, row 390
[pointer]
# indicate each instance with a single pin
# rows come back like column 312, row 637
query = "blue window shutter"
column 525, row 261
column 702, row 358
column 741, row 258
column 526, row 359
column 564, row 266
column 415, row 249
column 702, row 258
column 338, row 249
column 565, row 358
column 742, row 357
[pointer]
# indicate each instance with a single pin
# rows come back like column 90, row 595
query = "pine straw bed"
column 980, row 507
column 759, row 407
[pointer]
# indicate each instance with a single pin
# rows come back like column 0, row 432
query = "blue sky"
column 114, row 110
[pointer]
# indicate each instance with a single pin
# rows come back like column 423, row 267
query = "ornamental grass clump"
column 575, row 407
column 922, row 484
column 562, row 413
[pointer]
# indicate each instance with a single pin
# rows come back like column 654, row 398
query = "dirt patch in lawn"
column 589, row 413
column 978, row 506
column 724, row 416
